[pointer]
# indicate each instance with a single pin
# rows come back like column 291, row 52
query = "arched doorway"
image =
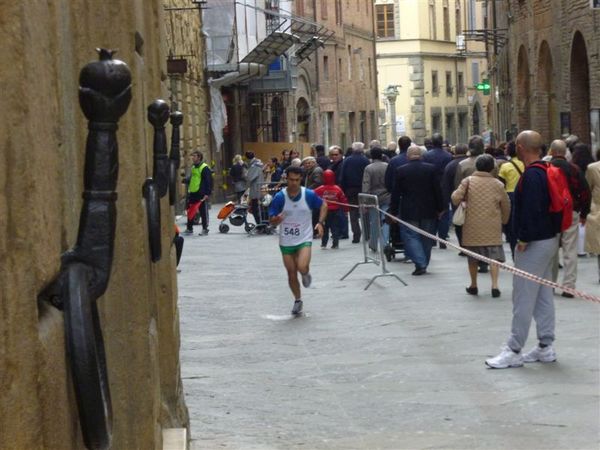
column 303, row 120
column 523, row 109
column 580, row 89
column 476, row 118
column 547, row 120
column 277, row 120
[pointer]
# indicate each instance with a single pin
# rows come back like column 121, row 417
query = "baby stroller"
column 237, row 215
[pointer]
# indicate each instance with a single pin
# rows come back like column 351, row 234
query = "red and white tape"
column 508, row 268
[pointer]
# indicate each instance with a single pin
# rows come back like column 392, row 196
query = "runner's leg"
column 289, row 262
column 303, row 260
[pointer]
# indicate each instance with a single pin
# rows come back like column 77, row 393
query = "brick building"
column 548, row 74
column 185, row 49
column 346, row 72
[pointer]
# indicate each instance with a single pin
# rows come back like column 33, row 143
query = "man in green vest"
column 199, row 189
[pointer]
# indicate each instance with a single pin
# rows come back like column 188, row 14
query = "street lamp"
column 391, row 93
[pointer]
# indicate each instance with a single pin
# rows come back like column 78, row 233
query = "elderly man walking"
column 353, row 169
column 374, row 184
column 417, row 199
column 580, row 192
column 537, row 233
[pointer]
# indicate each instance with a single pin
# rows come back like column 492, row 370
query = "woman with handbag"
column 487, row 208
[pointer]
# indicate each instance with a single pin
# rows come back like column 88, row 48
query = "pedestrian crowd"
column 544, row 200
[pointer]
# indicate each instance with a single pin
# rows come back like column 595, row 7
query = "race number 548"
column 291, row 231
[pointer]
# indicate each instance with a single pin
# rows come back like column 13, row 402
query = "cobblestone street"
column 391, row 367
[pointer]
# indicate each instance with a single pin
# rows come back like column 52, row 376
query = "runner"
column 292, row 209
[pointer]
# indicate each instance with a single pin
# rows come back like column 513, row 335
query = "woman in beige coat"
column 592, row 224
column 488, row 208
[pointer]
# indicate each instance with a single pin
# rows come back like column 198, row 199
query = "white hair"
column 358, row 147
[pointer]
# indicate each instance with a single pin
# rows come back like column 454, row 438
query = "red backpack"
column 560, row 194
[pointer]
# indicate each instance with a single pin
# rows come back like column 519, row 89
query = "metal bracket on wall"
column 104, row 96
column 174, row 156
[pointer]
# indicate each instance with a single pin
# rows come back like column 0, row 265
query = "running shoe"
column 306, row 279
column 538, row 354
column 297, row 309
column 188, row 231
column 507, row 358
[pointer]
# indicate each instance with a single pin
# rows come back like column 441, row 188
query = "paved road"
column 393, row 367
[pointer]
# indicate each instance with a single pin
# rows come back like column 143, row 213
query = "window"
column 446, row 21
column 436, row 123
column 432, row 27
column 461, row 84
column 338, row 12
column 339, row 69
column 324, row 9
column 471, row 14
column 370, row 73
column 458, row 17
column 385, row 21
column 349, row 62
column 326, row 68
column 449, row 88
column 435, row 84
column 475, row 72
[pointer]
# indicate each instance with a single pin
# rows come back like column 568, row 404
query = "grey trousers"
column 530, row 299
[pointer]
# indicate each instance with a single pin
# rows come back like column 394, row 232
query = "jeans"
column 416, row 246
column 332, row 223
column 385, row 228
column 352, row 195
column 443, row 227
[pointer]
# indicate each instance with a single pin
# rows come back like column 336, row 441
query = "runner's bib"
column 296, row 227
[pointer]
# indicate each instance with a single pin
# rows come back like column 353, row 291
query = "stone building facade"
column 43, row 48
column 423, row 79
column 548, row 74
column 185, row 48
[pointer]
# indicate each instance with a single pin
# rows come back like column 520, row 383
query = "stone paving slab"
column 393, row 367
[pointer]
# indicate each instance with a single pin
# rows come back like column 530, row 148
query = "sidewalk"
column 393, row 367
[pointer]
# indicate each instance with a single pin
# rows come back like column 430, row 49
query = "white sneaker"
column 507, row 358
column 538, row 354
column 306, row 279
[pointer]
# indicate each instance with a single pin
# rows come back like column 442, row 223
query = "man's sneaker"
column 204, row 231
column 507, row 358
column 297, row 309
column 538, row 354
column 188, row 231
column 306, row 279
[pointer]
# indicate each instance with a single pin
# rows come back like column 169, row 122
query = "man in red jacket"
column 331, row 192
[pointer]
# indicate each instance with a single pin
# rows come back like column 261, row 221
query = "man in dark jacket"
column 322, row 160
column 397, row 161
column 440, row 158
column 537, row 233
column 460, row 154
column 353, row 169
column 417, row 199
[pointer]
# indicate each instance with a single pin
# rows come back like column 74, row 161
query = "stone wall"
column 542, row 34
column 183, row 25
column 43, row 47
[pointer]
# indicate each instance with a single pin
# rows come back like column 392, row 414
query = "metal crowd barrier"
column 372, row 239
